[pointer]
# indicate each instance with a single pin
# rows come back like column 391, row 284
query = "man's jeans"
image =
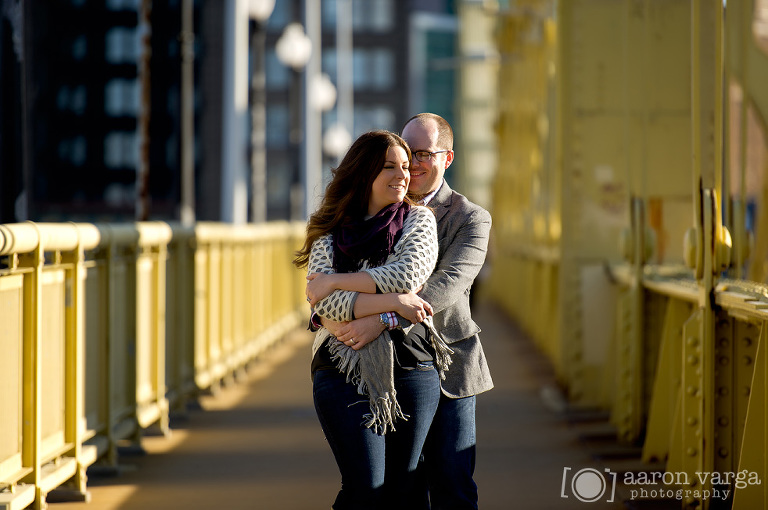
column 449, row 455
column 368, row 481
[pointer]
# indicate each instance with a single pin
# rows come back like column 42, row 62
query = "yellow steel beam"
column 32, row 410
column 666, row 387
column 711, row 243
column 753, row 461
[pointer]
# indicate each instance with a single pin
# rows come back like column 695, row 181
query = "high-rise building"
column 92, row 93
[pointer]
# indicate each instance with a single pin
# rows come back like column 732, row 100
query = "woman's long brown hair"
column 347, row 195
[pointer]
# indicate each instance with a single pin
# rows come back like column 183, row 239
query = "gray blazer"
column 462, row 233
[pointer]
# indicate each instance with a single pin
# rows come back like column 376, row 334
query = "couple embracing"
column 392, row 253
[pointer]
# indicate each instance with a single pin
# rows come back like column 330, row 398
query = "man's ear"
column 448, row 158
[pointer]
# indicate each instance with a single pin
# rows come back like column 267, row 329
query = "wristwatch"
column 384, row 320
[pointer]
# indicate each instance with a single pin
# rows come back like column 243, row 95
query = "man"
column 463, row 230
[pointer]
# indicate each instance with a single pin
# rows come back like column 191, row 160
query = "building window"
column 123, row 5
column 373, row 68
column 278, row 75
column 121, row 150
column 373, row 15
column 278, row 122
column 121, row 98
column 71, row 99
column 73, row 150
column 122, row 46
column 374, row 117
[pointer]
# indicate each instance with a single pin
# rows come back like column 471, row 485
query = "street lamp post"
column 259, row 12
column 293, row 49
column 187, row 37
column 338, row 137
column 313, row 156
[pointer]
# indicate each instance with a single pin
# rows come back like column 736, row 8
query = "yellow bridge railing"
column 105, row 328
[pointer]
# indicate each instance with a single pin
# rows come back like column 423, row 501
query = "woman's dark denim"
column 377, row 472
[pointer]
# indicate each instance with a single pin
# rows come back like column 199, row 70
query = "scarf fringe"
column 382, row 397
column 442, row 351
column 385, row 409
column 385, row 412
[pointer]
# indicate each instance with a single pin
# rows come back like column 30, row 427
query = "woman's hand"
column 412, row 307
column 334, row 327
column 319, row 286
column 359, row 332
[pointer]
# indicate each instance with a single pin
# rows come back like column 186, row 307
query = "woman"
column 367, row 237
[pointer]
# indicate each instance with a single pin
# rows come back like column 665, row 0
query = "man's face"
column 427, row 175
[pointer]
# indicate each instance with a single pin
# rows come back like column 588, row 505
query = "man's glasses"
column 426, row 155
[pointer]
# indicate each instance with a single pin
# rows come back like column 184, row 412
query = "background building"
column 93, row 123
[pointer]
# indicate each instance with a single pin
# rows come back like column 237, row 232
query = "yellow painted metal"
column 49, row 365
column 754, row 449
column 11, row 331
column 594, row 110
column 695, row 421
column 93, row 341
column 665, row 398
column 475, row 150
column 635, row 88
column 150, row 279
column 747, row 71
column 526, row 215
column 179, row 367
column 246, row 295
column 699, row 410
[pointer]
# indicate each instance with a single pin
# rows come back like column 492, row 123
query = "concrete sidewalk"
column 258, row 445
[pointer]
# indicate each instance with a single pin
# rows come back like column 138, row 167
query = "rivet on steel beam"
column 691, row 451
column 747, row 342
column 723, row 391
column 747, row 360
column 725, row 342
column 723, row 452
column 692, row 421
column 691, row 390
column 724, row 360
column 693, row 360
column 723, row 421
column 692, row 341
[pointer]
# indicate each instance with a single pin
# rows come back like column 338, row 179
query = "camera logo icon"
column 589, row 485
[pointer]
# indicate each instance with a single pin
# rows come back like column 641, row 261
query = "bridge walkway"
column 257, row 444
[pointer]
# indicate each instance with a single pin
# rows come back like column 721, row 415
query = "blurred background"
column 221, row 110
column 620, row 146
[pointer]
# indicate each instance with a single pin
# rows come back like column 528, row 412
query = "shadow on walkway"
column 258, row 445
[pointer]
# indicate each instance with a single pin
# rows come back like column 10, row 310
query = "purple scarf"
column 373, row 239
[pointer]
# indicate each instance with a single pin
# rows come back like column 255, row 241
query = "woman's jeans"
column 377, row 471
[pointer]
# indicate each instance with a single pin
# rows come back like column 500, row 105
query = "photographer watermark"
column 590, row 484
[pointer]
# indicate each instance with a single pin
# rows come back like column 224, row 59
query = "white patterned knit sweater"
column 412, row 260
column 406, row 269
